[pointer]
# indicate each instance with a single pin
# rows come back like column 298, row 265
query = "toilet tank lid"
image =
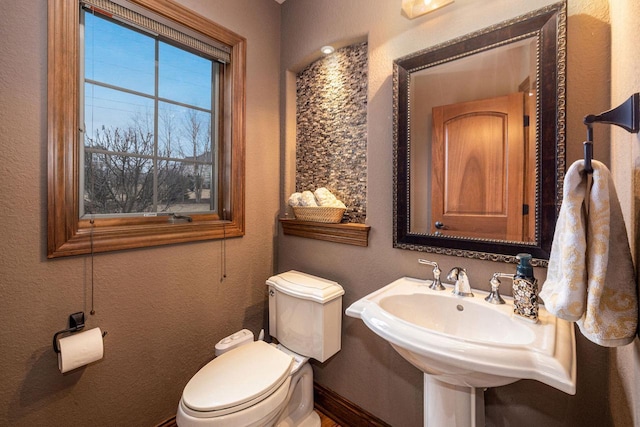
column 306, row 286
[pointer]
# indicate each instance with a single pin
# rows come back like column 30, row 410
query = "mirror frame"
column 549, row 26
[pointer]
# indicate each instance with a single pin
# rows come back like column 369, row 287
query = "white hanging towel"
column 591, row 279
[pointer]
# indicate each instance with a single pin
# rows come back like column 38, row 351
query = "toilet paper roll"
column 80, row 349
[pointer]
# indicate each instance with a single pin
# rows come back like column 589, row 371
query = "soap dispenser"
column 525, row 289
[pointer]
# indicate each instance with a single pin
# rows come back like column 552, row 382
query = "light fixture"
column 414, row 8
column 327, row 50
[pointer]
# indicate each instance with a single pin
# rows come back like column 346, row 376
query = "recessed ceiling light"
column 327, row 50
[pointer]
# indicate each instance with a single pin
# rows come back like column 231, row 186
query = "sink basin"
column 466, row 341
column 468, row 320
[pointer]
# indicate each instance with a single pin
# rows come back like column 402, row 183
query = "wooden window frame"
column 68, row 234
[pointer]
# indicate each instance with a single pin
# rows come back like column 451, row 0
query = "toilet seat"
column 236, row 380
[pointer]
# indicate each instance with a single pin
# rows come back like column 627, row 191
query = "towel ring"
column 625, row 115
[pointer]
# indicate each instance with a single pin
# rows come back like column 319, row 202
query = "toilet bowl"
column 261, row 384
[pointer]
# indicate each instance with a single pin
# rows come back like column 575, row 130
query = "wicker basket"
column 319, row 213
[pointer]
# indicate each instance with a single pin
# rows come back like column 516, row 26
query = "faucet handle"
column 494, row 296
column 436, row 284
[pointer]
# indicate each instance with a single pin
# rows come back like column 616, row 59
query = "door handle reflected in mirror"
column 440, row 226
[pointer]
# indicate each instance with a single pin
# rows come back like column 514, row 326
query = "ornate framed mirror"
column 479, row 140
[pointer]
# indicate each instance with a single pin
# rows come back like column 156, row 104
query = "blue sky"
column 122, row 57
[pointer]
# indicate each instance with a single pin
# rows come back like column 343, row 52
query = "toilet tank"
column 305, row 313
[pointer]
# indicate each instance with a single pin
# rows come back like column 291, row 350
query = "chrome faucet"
column 461, row 287
column 436, row 284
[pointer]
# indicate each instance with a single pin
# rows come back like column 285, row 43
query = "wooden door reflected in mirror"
column 477, row 172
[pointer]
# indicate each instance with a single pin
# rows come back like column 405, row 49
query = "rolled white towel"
column 327, row 198
column 324, row 196
column 308, row 199
column 295, row 199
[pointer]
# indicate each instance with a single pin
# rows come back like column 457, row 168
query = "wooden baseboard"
column 171, row 422
column 341, row 410
column 333, row 406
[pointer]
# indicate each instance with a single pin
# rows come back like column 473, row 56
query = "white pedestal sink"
column 465, row 344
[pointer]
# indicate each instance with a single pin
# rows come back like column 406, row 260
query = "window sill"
column 348, row 233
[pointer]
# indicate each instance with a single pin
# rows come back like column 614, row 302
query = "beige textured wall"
column 625, row 165
column 367, row 370
column 164, row 308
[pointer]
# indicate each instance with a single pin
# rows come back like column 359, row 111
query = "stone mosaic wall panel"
column 331, row 128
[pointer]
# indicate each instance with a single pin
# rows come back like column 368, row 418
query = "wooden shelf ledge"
column 347, row 233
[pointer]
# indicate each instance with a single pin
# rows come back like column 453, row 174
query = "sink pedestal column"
column 451, row 405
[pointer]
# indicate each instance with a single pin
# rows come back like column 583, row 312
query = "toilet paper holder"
column 76, row 323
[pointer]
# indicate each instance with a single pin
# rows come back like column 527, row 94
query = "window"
column 146, row 126
column 149, row 106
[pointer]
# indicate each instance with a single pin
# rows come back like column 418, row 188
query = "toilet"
column 253, row 383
